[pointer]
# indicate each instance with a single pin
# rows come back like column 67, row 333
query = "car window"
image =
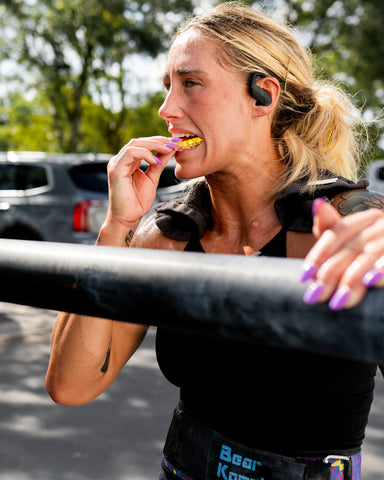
column 90, row 176
column 168, row 178
column 22, row 177
column 380, row 173
column 93, row 177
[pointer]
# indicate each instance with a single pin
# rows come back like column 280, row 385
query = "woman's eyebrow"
column 184, row 71
column 187, row 70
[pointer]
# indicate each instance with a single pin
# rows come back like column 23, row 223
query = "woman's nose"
column 170, row 107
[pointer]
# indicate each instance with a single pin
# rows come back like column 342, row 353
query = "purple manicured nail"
column 316, row 204
column 313, row 293
column 158, row 160
column 340, row 298
column 170, row 146
column 308, row 272
column 173, row 139
column 371, row 278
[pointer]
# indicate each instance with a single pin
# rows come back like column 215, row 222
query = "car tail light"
column 89, row 215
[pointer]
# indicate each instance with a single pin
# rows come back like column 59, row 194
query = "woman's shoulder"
column 293, row 205
column 148, row 235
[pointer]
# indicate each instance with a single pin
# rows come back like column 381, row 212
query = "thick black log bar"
column 248, row 298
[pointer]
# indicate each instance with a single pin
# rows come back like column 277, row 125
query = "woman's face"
column 209, row 101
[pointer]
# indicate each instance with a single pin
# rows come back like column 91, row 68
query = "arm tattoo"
column 359, row 200
column 105, row 366
column 128, row 238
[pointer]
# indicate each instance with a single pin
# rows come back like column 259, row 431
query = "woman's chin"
column 187, row 172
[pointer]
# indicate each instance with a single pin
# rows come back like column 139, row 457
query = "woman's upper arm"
column 148, row 235
column 354, row 201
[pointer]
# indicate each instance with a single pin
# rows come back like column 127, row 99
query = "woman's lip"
column 177, row 132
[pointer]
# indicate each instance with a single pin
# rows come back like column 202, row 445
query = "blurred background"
column 84, row 75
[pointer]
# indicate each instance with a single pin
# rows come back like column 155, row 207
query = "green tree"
column 346, row 40
column 27, row 124
column 77, row 55
column 70, row 48
column 104, row 131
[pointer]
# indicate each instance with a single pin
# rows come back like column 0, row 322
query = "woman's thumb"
column 325, row 216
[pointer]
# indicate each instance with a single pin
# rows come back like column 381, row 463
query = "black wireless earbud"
column 258, row 93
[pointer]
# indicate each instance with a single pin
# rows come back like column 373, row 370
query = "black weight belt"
column 194, row 451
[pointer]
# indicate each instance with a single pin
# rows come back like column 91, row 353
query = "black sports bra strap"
column 194, row 245
column 277, row 247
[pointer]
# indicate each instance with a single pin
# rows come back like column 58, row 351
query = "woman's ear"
column 266, row 92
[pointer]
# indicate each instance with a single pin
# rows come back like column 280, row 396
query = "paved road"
column 117, row 437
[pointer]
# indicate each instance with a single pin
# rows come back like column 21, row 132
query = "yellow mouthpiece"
column 188, row 143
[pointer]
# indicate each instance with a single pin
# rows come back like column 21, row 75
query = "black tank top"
column 283, row 401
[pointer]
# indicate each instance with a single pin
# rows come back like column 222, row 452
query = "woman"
column 268, row 141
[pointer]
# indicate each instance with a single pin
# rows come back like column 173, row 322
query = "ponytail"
column 314, row 132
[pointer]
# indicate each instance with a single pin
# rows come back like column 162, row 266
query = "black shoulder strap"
column 293, row 205
column 188, row 215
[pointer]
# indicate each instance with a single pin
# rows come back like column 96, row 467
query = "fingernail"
column 158, row 160
column 313, row 293
column 170, row 146
column 308, row 272
column 316, row 204
column 371, row 278
column 174, row 139
column 340, row 298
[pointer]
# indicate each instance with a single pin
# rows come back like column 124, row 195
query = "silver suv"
column 59, row 197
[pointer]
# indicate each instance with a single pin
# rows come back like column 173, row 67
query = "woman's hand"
column 347, row 258
column 131, row 190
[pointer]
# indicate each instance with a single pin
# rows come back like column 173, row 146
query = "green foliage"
column 346, row 40
column 76, row 58
column 72, row 47
column 27, row 125
column 105, row 131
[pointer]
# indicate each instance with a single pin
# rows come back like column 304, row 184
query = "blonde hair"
column 312, row 124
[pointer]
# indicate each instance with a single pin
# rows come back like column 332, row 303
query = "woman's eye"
column 190, row 83
column 186, row 83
